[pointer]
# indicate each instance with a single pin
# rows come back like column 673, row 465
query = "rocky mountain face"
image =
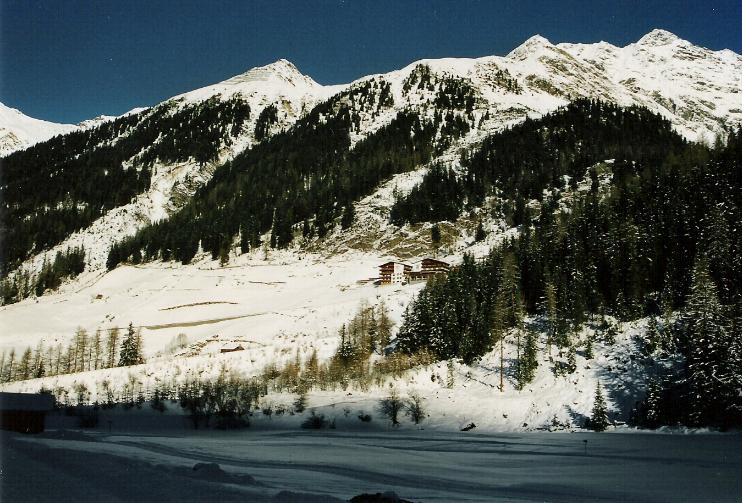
column 695, row 88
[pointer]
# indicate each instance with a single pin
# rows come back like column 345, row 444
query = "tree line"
column 85, row 352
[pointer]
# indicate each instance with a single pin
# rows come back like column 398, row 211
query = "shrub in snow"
column 268, row 410
column 391, row 406
column 414, row 408
column 300, row 404
column 314, row 422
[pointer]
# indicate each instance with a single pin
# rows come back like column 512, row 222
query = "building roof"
column 394, row 262
column 428, row 259
column 26, row 401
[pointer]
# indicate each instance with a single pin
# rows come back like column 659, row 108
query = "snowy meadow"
column 266, row 464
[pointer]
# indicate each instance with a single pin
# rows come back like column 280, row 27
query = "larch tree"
column 9, row 374
column 384, row 325
column 38, row 368
column 112, row 344
column 96, row 349
column 24, row 366
column 80, row 351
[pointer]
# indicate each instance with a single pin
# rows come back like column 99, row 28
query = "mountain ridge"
column 534, row 79
column 282, row 80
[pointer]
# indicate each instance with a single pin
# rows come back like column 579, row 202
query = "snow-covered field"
column 329, row 466
column 250, row 300
column 294, row 303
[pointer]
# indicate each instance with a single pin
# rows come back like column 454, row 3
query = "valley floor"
column 425, row 466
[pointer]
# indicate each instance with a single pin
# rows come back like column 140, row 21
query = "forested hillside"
column 57, row 187
column 538, row 154
column 298, row 181
column 652, row 230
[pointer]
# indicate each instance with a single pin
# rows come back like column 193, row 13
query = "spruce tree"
column 345, row 351
column 571, row 359
column 384, row 325
column 653, row 404
column 479, row 235
column 435, row 235
column 599, row 417
column 711, row 366
column 348, row 216
column 130, row 348
column 550, row 305
column 529, row 360
column 589, row 353
column 653, row 336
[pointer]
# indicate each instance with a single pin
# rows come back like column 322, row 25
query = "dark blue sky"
column 70, row 60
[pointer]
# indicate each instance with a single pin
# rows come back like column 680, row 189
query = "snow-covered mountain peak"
column 277, row 81
column 19, row 131
column 658, row 37
column 530, row 47
column 279, row 71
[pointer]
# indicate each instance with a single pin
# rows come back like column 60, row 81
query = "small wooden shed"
column 24, row 412
column 231, row 348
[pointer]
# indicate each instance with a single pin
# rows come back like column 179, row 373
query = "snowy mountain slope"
column 97, row 121
column 19, row 131
column 695, row 88
column 279, row 84
column 276, row 82
column 293, row 304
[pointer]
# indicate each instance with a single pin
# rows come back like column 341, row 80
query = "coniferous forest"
column 303, row 178
column 653, row 230
column 64, row 184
